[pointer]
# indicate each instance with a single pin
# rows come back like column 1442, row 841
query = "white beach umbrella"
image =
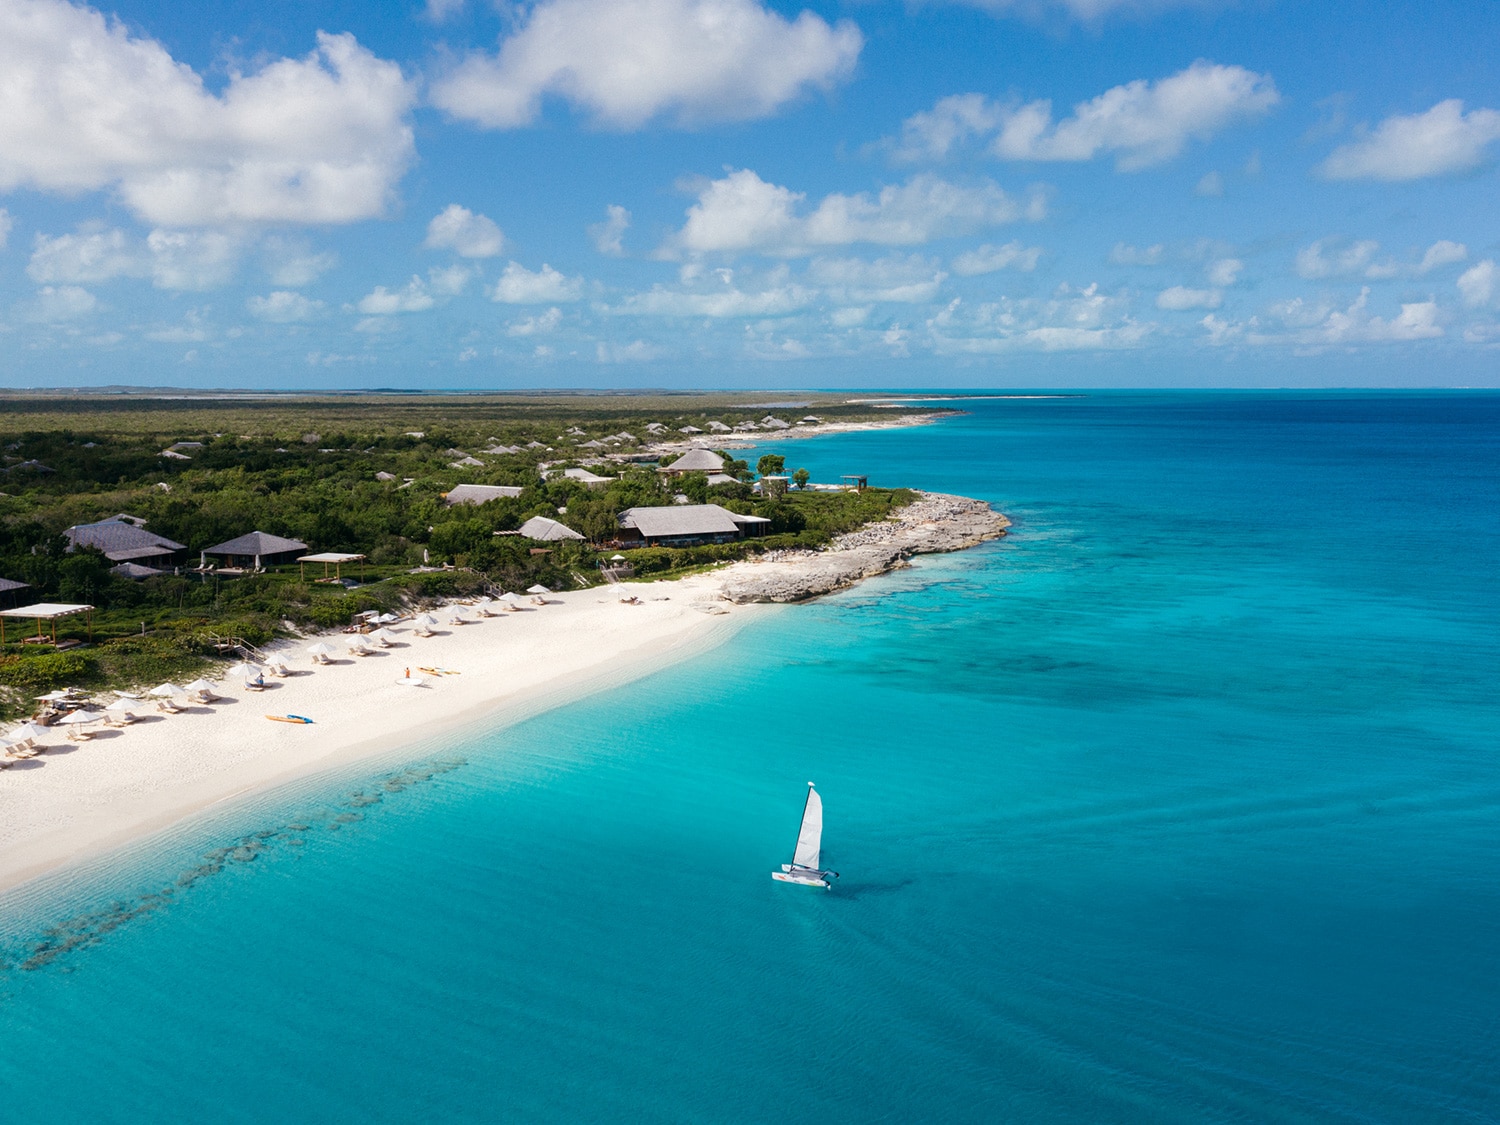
column 538, row 589
column 511, row 599
column 428, row 620
column 616, row 558
column 383, row 636
column 28, row 732
column 167, row 690
column 412, row 681
column 321, row 649
column 120, row 706
column 387, row 619
column 200, row 685
column 77, row 718
column 244, row 668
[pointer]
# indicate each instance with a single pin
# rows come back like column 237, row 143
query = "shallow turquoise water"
column 1180, row 804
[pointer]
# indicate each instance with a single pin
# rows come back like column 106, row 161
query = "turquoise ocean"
column 1179, row 804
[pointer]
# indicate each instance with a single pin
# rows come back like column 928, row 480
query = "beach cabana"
column 256, row 548
column 335, row 559
column 46, row 611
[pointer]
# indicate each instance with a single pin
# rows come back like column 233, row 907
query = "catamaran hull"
column 808, row 879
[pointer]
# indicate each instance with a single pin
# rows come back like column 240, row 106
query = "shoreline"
column 78, row 803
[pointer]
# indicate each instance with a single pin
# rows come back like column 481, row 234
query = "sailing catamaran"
column 804, row 866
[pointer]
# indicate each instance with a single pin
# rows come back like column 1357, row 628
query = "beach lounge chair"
column 257, row 684
column 78, row 734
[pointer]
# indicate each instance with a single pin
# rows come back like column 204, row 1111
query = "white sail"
column 810, row 838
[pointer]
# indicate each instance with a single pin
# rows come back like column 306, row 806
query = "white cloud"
column 638, row 351
column 171, row 259
column 292, row 265
column 1179, row 298
column 1331, row 257
column 1085, row 11
column 909, row 280
column 1072, row 319
column 6, row 224
column 1141, row 123
column 1440, row 142
column 726, row 303
column 62, row 302
column 451, row 280
column 519, row 286
column 465, row 233
column 851, row 317
column 1477, row 284
column 1322, row 325
column 627, row 61
column 283, row 306
column 192, row 259
column 742, row 212
column 86, row 106
column 988, row 259
column 1124, row 254
column 1442, row 253
column 607, row 235
column 1211, row 186
column 954, row 120
column 537, row 325
column 1224, row 272
column 384, row 302
column 439, row 10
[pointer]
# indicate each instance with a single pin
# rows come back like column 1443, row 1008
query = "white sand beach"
column 78, row 800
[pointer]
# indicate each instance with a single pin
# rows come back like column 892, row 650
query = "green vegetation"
column 306, row 468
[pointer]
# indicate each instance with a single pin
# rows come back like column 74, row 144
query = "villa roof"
column 697, row 461
column 683, row 519
column 540, row 527
column 121, row 541
column 9, row 584
column 480, row 493
column 257, row 543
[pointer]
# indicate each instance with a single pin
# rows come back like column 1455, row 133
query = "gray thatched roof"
column 540, row 527
column 697, row 461
column 257, row 543
column 480, row 493
column 121, row 541
column 680, row 519
column 9, row 584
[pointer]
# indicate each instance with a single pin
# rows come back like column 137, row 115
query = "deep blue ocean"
column 1179, row 804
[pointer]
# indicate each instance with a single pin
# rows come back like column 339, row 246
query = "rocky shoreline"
column 934, row 523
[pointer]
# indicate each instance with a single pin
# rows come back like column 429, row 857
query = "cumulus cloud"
column 1124, row 254
column 1320, row 325
column 181, row 260
column 625, row 62
column 465, row 233
column 292, row 265
column 609, row 234
column 1179, row 298
column 1224, row 272
column 537, row 325
column 1477, row 284
column 1140, row 123
column 1334, row 257
column 988, row 259
column 6, row 223
column 283, row 307
column 61, row 302
column 520, row 286
column 1443, row 141
column 729, row 302
column 894, row 279
column 742, row 212
column 381, row 301
column 1071, row 319
column 86, row 106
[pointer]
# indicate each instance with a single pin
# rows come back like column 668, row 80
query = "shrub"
column 48, row 670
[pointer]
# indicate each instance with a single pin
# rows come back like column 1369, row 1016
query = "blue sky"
column 989, row 193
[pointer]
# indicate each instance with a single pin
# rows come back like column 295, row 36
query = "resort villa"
column 122, row 542
column 686, row 525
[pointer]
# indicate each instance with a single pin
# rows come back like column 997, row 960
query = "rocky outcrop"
column 935, row 522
